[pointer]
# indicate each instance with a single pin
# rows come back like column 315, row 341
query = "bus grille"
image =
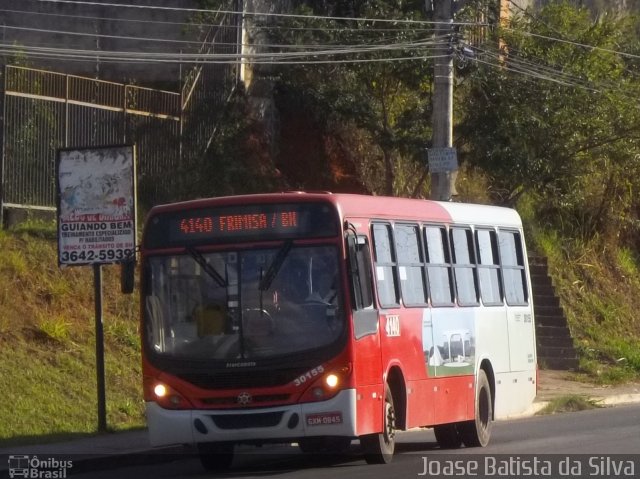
column 233, row 400
column 245, row 421
column 242, row 378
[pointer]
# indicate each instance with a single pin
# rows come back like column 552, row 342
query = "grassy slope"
column 47, row 343
column 598, row 283
column 598, row 286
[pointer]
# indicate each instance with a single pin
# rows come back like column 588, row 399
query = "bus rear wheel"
column 216, row 456
column 477, row 433
column 379, row 448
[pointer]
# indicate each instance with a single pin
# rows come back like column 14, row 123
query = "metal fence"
column 44, row 111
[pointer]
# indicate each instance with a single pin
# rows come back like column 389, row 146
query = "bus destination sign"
column 246, row 223
column 281, row 221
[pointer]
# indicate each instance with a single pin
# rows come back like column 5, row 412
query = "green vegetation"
column 47, row 339
column 571, row 403
column 600, row 296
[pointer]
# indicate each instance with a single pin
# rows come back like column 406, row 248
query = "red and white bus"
column 320, row 318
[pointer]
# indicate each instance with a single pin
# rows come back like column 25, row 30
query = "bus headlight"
column 160, row 390
column 331, row 380
column 328, row 385
column 168, row 398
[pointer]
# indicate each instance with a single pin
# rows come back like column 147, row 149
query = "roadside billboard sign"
column 96, row 194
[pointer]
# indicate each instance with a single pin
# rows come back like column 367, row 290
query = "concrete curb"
column 621, row 399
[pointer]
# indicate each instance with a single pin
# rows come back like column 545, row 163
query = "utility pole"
column 443, row 182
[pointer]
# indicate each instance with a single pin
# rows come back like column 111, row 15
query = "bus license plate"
column 324, row 419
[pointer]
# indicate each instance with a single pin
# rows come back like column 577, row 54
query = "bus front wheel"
column 379, row 448
column 216, row 456
column 477, row 433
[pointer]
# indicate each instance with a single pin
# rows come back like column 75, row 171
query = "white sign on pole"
column 442, row 160
column 96, row 205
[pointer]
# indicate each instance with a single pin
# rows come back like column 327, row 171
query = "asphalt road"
column 581, row 444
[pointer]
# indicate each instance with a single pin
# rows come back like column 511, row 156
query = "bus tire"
column 447, row 436
column 379, row 448
column 216, row 456
column 477, row 433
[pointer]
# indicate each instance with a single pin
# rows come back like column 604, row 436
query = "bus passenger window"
column 464, row 266
column 513, row 272
column 438, row 265
column 385, row 265
column 410, row 264
column 488, row 267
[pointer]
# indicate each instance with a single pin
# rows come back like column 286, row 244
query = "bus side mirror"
column 127, row 276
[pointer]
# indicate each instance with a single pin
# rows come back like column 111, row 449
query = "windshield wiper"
column 275, row 266
column 206, row 266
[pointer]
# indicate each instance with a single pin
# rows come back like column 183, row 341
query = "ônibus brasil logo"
column 32, row 467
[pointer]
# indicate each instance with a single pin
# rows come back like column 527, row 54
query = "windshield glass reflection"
column 220, row 306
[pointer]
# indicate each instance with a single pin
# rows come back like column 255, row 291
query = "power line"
column 498, row 60
column 164, row 40
column 312, row 51
column 124, row 57
column 99, row 35
column 199, row 24
column 327, row 49
column 261, row 57
column 297, row 16
column 561, row 40
column 514, row 59
column 535, row 72
column 573, row 43
column 255, row 14
column 111, row 19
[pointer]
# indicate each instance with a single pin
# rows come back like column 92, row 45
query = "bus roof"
column 365, row 206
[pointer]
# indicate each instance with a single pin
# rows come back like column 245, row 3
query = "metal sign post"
column 100, row 378
column 96, row 196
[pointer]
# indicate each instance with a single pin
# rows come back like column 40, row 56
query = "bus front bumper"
column 334, row 417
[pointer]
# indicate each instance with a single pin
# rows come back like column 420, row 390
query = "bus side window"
column 438, row 265
column 464, row 266
column 386, row 266
column 488, row 267
column 360, row 272
column 513, row 268
column 410, row 264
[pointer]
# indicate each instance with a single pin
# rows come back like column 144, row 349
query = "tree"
column 374, row 104
column 554, row 117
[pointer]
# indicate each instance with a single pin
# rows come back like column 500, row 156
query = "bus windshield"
column 243, row 304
